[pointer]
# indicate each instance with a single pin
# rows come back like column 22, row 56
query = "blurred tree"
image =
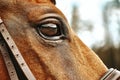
column 110, row 53
column 79, row 25
column 75, row 19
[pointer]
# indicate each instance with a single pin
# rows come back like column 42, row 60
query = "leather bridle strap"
column 8, row 61
column 16, row 53
column 112, row 74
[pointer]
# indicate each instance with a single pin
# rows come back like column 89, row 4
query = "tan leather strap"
column 8, row 61
column 112, row 74
column 16, row 53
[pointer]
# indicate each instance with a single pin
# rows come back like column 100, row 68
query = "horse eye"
column 50, row 31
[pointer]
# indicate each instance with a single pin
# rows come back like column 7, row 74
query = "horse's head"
column 49, row 46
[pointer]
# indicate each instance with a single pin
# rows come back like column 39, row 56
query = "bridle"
column 6, row 42
column 112, row 74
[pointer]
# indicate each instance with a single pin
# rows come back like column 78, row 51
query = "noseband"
column 112, row 74
column 6, row 42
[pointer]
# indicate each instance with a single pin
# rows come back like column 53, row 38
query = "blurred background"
column 97, row 23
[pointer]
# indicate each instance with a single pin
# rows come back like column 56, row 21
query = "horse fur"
column 68, row 59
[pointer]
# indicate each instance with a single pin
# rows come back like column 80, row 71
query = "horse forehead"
column 35, row 1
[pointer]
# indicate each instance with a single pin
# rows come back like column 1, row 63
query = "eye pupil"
column 49, row 29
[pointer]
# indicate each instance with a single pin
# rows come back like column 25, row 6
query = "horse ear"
column 53, row 1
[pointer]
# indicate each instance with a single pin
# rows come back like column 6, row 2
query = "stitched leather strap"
column 112, row 74
column 16, row 53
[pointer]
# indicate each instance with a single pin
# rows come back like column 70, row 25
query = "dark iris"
column 49, row 30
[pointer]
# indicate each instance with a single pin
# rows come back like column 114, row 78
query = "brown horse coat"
column 67, row 58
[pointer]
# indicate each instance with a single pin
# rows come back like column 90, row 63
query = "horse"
column 50, row 48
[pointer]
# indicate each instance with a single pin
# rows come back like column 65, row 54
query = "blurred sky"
column 89, row 10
